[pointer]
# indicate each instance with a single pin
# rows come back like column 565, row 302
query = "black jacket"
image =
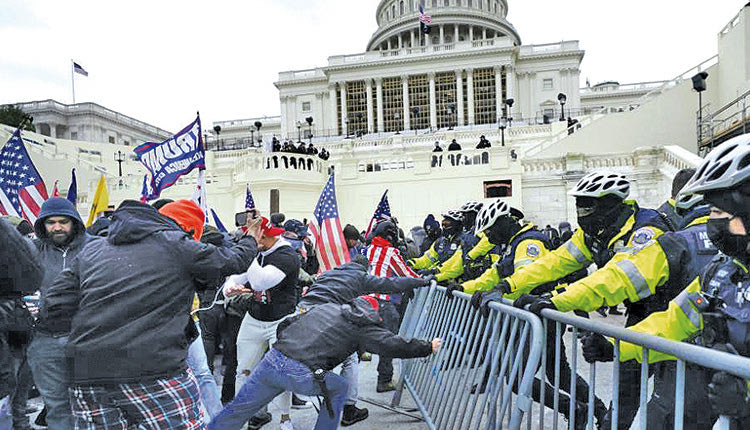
column 21, row 273
column 127, row 297
column 349, row 281
column 324, row 336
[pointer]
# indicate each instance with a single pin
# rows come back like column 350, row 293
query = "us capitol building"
column 380, row 112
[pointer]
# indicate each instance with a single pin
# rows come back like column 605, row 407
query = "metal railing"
column 504, row 349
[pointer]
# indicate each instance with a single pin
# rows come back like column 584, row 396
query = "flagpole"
column 73, row 80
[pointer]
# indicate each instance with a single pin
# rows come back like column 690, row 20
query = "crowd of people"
column 301, row 148
column 103, row 321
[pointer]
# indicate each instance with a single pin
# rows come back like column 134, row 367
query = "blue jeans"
column 52, row 371
column 350, row 372
column 209, row 390
column 6, row 417
column 275, row 374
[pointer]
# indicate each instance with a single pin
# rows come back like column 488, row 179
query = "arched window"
column 401, row 7
column 393, row 10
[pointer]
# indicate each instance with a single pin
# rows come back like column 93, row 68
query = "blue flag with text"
column 176, row 156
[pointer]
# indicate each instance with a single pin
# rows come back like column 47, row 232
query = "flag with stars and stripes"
column 326, row 230
column 382, row 212
column 423, row 17
column 249, row 202
column 22, row 190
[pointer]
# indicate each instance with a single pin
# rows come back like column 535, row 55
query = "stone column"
column 470, row 94
column 412, row 39
column 332, row 109
column 379, row 95
column 400, row 41
column 442, row 34
column 484, row 33
column 471, row 33
column 433, row 101
column 405, row 96
column 370, row 119
column 498, row 91
column 460, row 97
column 510, row 81
column 344, row 112
column 455, row 33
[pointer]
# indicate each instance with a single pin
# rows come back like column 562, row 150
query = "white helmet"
column 602, row 183
column 471, row 206
column 490, row 213
column 688, row 201
column 723, row 168
column 454, row 215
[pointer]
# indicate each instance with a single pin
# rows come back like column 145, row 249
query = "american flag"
column 326, row 229
column 382, row 211
column 22, row 190
column 423, row 17
column 80, row 70
column 73, row 188
column 144, row 190
column 249, row 202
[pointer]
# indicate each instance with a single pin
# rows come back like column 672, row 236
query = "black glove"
column 487, row 297
column 476, row 299
column 524, row 300
column 535, row 303
column 597, row 348
column 426, row 272
column 452, row 286
column 728, row 395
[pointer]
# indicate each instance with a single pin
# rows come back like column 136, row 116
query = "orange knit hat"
column 187, row 214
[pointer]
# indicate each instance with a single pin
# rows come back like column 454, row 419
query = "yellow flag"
column 100, row 202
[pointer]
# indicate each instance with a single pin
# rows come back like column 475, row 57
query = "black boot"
column 259, row 420
column 352, row 414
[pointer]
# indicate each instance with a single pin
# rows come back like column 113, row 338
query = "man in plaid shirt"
column 386, row 262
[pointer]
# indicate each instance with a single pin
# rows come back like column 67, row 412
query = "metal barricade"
column 501, row 351
column 689, row 358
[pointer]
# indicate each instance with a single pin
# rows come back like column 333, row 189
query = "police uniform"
column 440, row 251
column 469, row 264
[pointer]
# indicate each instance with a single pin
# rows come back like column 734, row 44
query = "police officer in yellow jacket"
column 714, row 309
column 609, row 225
column 444, row 247
column 523, row 245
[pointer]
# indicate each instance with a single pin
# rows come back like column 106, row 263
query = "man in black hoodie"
column 309, row 346
column 126, row 302
column 61, row 236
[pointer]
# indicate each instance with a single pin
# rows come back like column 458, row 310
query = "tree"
column 14, row 116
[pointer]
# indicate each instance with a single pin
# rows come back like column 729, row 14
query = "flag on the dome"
column 22, row 190
column 423, row 17
column 326, row 229
column 383, row 210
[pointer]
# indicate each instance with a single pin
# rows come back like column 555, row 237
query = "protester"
column 354, row 241
column 310, row 345
column 437, row 147
column 127, row 293
column 21, row 273
column 61, row 236
column 270, row 297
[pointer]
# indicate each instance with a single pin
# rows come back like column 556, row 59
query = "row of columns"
column 333, row 94
column 414, row 37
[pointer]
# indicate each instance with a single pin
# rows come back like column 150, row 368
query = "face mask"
column 501, row 232
column 733, row 245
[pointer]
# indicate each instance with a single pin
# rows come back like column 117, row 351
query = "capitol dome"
column 452, row 20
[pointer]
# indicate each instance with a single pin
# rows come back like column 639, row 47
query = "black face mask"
column 502, row 230
column 733, row 245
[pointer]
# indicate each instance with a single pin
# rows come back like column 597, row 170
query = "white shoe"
column 286, row 425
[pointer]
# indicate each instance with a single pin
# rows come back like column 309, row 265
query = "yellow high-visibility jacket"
column 632, row 275
column 433, row 257
column 525, row 253
column 454, row 267
column 574, row 255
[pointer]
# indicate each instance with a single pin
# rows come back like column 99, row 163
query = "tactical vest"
column 506, row 265
column 727, row 280
column 445, row 247
column 473, row 269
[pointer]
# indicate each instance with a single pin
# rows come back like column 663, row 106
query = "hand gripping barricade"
column 511, row 344
column 507, row 343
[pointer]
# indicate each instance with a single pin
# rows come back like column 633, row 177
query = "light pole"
column 299, row 131
column 258, row 125
column 508, row 106
column 309, row 120
column 252, row 135
column 451, row 115
column 503, row 123
column 415, row 113
column 699, row 85
column 396, row 117
column 217, row 130
column 562, row 98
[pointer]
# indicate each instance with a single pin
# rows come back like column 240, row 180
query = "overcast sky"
column 159, row 61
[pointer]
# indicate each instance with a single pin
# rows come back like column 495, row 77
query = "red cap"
column 269, row 230
column 372, row 300
column 187, row 214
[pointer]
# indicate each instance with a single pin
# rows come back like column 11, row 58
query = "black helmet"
column 387, row 230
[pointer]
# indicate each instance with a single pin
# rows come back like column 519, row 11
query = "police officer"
column 524, row 244
column 477, row 253
column 609, row 224
column 722, row 289
column 669, row 208
column 442, row 249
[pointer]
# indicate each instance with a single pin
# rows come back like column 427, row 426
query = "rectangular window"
column 547, row 84
column 419, row 102
column 484, row 96
column 502, row 188
column 393, row 104
column 356, row 107
column 73, row 135
column 305, row 106
column 111, row 139
column 445, row 92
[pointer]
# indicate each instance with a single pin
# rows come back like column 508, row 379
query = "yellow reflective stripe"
column 575, row 252
column 683, row 301
column 635, row 277
column 522, row 263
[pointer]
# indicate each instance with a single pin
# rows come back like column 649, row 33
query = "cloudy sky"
column 159, row 61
